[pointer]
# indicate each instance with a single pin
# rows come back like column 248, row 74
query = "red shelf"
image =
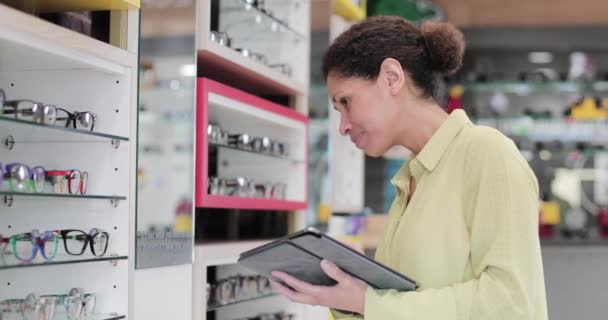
column 212, row 201
column 205, row 200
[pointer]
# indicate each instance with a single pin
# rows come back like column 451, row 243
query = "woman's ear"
column 392, row 75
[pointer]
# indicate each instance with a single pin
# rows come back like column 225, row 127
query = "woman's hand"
column 348, row 294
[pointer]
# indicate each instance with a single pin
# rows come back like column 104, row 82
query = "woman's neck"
column 421, row 125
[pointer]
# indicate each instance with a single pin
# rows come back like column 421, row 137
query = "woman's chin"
column 373, row 152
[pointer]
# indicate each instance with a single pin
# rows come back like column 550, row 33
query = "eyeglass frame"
column 37, row 245
column 37, row 118
column 67, row 174
column 89, row 241
column 72, row 117
column 6, row 174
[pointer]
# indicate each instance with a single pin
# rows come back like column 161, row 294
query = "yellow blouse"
column 469, row 235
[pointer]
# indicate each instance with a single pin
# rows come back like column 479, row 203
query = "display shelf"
column 10, row 262
column 111, row 316
column 222, row 253
column 550, row 129
column 61, row 195
column 265, row 155
column 227, row 64
column 520, row 87
column 228, row 202
column 30, row 43
column 236, row 111
column 44, row 6
column 573, row 242
column 217, row 307
column 27, row 131
column 254, row 15
column 280, row 32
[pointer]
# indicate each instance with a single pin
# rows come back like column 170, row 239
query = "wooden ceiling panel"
column 525, row 12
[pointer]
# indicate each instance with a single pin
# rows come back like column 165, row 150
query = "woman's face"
column 368, row 112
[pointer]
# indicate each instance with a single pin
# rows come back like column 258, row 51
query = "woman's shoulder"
column 482, row 140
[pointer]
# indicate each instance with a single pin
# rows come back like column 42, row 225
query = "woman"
column 465, row 220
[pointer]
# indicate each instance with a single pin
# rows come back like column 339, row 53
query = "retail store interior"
column 146, row 144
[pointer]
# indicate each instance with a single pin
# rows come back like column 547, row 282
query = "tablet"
column 287, row 257
column 300, row 254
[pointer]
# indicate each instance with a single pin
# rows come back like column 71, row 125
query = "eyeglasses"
column 238, row 288
column 76, row 241
column 68, row 181
column 26, row 246
column 39, row 112
column 32, row 307
column 217, row 134
column 243, row 187
column 247, row 142
column 253, row 55
column 284, row 68
column 280, row 149
column 30, row 111
column 76, row 305
column 261, row 144
column 255, row 3
column 221, row 38
column 282, row 315
column 242, row 141
column 77, row 120
column 274, row 316
column 20, row 177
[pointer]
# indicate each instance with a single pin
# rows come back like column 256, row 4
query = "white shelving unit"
column 47, row 63
column 281, row 36
column 281, row 32
column 551, row 129
column 223, row 257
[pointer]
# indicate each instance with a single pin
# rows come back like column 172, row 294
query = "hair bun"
column 445, row 45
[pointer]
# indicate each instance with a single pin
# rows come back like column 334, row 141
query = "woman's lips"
column 357, row 139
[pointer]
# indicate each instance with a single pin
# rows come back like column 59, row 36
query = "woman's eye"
column 344, row 103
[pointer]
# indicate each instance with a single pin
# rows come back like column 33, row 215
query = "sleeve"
column 502, row 215
column 339, row 315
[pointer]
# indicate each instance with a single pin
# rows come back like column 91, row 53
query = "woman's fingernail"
column 326, row 264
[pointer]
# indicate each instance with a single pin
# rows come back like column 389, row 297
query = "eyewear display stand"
column 268, row 48
column 237, row 111
column 47, row 63
column 249, row 53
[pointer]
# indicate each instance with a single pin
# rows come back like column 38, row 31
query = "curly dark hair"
column 425, row 53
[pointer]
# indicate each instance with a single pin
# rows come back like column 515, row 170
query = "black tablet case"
column 300, row 256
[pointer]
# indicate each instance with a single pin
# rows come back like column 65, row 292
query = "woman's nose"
column 345, row 126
